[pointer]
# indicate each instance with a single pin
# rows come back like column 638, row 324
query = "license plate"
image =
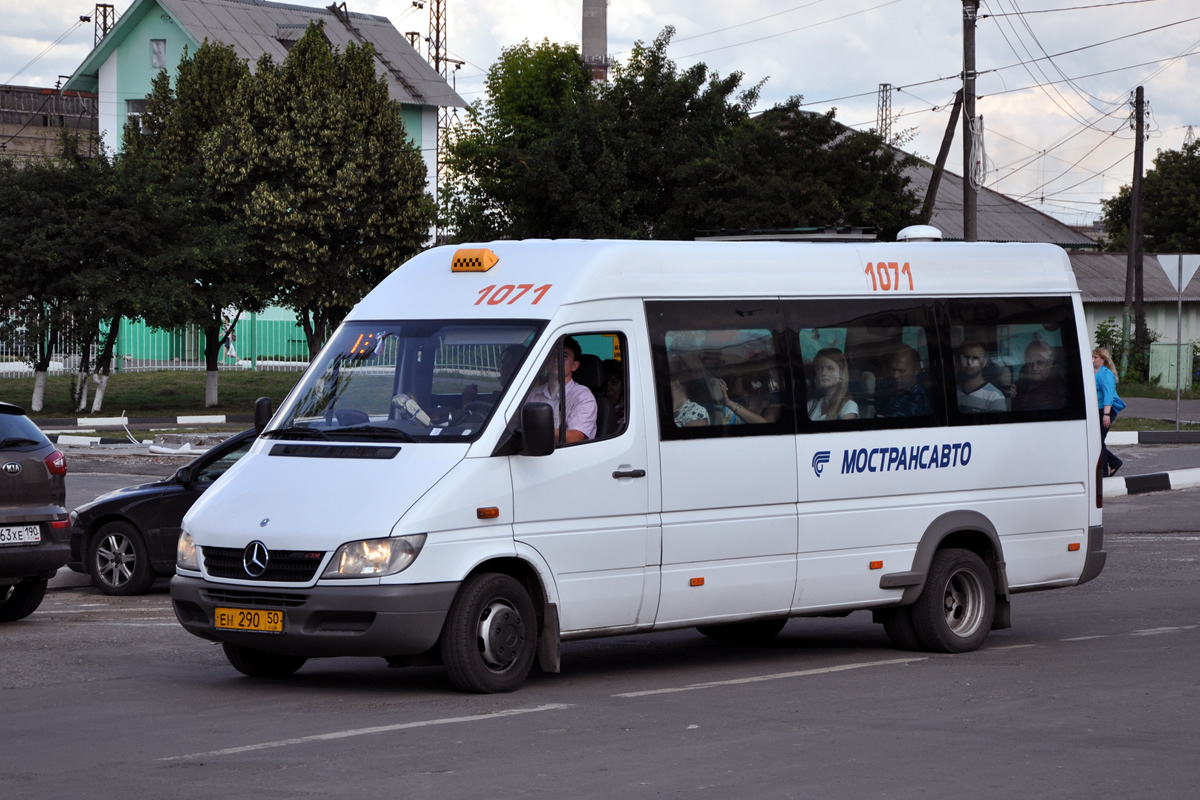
column 249, row 619
column 20, row 534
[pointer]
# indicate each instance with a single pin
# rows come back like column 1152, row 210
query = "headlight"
column 375, row 557
column 186, row 556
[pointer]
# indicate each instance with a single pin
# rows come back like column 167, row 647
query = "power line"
column 750, row 22
column 47, row 49
column 1068, row 8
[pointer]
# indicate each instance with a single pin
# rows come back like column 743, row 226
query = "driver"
column 580, row 403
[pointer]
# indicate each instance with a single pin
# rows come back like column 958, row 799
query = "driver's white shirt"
column 581, row 406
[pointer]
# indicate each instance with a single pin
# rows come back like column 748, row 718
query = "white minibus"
column 511, row 445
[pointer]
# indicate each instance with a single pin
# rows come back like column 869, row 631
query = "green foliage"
column 1170, row 205
column 316, row 160
column 1108, row 334
column 657, row 153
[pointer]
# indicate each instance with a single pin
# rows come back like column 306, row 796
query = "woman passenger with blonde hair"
column 1110, row 405
column 832, row 400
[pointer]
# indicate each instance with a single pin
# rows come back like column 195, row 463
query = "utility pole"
column 105, row 17
column 970, row 13
column 1133, row 265
column 883, row 116
column 935, row 180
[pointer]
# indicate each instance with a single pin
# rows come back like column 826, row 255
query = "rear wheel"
column 490, row 636
column 755, row 630
column 258, row 664
column 955, row 610
column 19, row 601
column 120, row 561
column 900, row 628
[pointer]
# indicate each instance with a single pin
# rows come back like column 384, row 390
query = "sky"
column 1055, row 86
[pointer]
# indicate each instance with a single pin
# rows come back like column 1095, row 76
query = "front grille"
column 254, row 598
column 284, row 566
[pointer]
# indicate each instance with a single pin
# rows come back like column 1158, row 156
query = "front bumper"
column 322, row 621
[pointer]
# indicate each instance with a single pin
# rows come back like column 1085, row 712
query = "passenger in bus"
column 902, row 394
column 614, row 387
column 754, row 400
column 580, row 404
column 832, row 378
column 1039, row 385
column 687, row 412
column 975, row 394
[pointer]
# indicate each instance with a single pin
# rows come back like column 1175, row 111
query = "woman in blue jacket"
column 1110, row 405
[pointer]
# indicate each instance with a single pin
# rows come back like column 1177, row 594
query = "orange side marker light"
column 696, row 582
column 487, row 513
column 876, row 565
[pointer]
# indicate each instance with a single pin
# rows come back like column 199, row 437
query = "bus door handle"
column 629, row 473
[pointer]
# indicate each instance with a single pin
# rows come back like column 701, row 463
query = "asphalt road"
column 1093, row 692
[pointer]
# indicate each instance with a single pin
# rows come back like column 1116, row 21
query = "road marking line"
column 1086, row 638
column 1009, row 647
column 1157, row 631
column 772, row 677
column 324, row 737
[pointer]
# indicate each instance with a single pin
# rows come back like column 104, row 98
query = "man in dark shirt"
column 902, row 395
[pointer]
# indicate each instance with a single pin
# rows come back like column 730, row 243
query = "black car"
column 33, row 514
column 127, row 538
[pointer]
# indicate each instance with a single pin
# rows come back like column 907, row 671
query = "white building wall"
column 106, row 100
column 1160, row 317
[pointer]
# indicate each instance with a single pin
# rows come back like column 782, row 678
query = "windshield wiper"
column 17, row 441
column 295, row 431
column 374, row 430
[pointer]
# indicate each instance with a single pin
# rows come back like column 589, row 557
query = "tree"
column 658, row 153
column 40, row 207
column 205, row 269
column 317, row 160
column 1170, row 205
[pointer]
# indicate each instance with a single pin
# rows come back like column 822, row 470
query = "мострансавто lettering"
column 894, row 459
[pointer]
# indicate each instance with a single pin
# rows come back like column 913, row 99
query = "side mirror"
column 183, row 476
column 537, row 429
column 262, row 413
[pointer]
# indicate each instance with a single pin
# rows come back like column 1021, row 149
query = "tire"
column 490, row 636
column 900, row 629
column 258, row 664
column 119, row 560
column 955, row 610
column 19, row 601
column 755, row 630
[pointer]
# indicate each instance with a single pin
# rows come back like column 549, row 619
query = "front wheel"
column 490, row 636
column 120, row 561
column 258, row 664
column 19, row 601
column 955, row 610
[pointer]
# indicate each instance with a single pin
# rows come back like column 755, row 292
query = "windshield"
column 428, row 380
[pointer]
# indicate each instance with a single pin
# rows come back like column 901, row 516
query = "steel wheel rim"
column 964, row 603
column 501, row 635
column 115, row 559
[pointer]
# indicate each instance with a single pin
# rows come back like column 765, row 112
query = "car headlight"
column 186, row 554
column 374, row 557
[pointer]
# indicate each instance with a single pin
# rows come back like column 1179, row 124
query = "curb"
column 113, row 422
column 1120, row 438
column 1153, row 482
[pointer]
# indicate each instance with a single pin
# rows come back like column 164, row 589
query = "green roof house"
column 152, row 34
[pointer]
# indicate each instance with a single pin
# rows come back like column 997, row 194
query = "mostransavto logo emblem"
column 255, row 558
column 819, row 461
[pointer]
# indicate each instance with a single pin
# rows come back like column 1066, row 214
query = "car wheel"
column 258, row 664
column 119, row 560
column 490, row 636
column 954, row 612
column 755, row 630
column 19, row 601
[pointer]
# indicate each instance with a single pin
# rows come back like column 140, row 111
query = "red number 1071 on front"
column 497, row 295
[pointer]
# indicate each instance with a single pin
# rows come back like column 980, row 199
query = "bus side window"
column 1030, row 350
